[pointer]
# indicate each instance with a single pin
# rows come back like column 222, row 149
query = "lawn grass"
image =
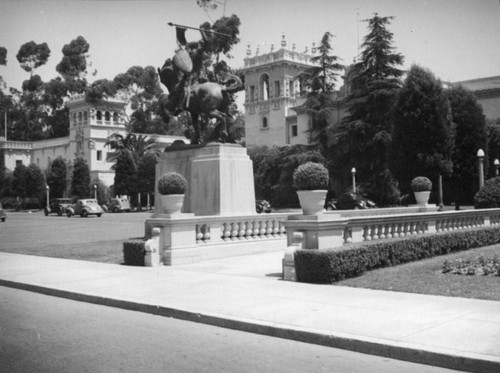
column 101, row 251
column 425, row 277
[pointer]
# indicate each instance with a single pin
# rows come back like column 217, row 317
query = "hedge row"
column 134, row 251
column 328, row 266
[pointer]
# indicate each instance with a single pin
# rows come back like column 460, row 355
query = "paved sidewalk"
column 246, row 293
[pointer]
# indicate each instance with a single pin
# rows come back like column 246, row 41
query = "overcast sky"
column 455, row 39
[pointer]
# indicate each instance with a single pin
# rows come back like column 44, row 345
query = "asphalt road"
column 40, row 333
column 23, row 229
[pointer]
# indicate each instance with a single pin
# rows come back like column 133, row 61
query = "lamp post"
column 353, row 172
column 48, row 196
column 480, row 156
column 497, row 164
column 95, row 192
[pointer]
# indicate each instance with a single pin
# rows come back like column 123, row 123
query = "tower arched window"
column 107, row 117
column 80, row 117
column 115, row 117
column 98, row 116
column 264, row 122
column 85, row 117
column 264, row 87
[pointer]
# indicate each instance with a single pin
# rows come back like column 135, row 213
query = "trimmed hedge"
column 328, row 266
column 134, row 251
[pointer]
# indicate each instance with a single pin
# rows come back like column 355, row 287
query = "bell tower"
column 272, row 88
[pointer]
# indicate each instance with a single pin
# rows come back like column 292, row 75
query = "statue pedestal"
column 220, row 178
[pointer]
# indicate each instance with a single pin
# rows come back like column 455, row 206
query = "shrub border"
column 328, row 266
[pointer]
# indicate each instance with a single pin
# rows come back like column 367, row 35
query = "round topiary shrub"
column 489, row 195
column 421, row 184
column 310, row 176
column 172, row 183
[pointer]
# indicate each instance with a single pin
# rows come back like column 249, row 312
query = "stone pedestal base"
column 220, row 178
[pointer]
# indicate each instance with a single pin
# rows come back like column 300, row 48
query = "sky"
column 455, row 39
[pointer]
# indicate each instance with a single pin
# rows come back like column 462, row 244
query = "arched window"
column 107, row 117
column 264, row 122
column 98, row 116
column 115, row 117
column 80, row 117
column 85, row 116
column 264, row 87
column 74, row 119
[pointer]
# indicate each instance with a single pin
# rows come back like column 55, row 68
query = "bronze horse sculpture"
column 201, row 99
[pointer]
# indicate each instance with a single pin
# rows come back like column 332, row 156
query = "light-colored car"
column 84, row 208
column 118, row 205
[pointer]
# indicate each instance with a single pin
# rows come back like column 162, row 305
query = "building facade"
column 90, row 127
column 272, row 90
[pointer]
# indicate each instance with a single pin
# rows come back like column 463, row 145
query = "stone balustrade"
column 189, row 238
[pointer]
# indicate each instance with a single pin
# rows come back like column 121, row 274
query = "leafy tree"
column 57, row 177
column 3, row 56
column 80, row 182
column 73, row 66
column 125, row 175
column 273, row 171
column 470, row 135
column 32, row 55
column 146, row 172
column 6, row 179
column 422, row 132
column 102, row 191
column 19, row 180
column 35, row 182
column 319, row 82
column 363, row 138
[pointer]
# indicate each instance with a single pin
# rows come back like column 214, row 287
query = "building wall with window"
column 90, row 128
column 271, row 90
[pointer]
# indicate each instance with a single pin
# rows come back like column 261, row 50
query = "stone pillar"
column 220, row 178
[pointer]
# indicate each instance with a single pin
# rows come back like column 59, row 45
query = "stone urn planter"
column 311, row 182
column 172, row 187
column 421, row 187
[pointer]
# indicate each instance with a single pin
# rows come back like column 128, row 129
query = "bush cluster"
column 310, row 176
column 172, row 183
column 489, row 195
column 134, row 252
column 328, row 266
column 421, row 184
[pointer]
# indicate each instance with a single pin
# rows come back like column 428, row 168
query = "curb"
column 365, row 346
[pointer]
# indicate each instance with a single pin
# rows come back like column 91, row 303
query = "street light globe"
column 496, row 162
column 480, row 153
column 353, row 170
column 47, row 187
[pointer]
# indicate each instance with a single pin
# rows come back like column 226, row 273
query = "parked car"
column 58, row 206
column 349, row 201
column 262, row 206
column 84, row 208
column 3, row 215
column 118, row 205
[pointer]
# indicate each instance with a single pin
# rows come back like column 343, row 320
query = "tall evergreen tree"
column 422, row 132
column 363, row 138
column 57, row 177
column 35, row 182
column 80, row 182
column 19, row 180
column 125, row 175
column 319, row 82
column 470, row 135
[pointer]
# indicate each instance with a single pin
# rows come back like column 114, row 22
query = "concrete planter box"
column 312, row 201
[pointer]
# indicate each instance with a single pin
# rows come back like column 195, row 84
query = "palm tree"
column 136, row 146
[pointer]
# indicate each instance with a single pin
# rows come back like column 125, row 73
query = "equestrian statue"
column 208, row 96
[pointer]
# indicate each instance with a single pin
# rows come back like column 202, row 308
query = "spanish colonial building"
column 90, row 126
column 275, row 113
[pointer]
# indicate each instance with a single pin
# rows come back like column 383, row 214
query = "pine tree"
column 320, row 82
column 363, row 138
